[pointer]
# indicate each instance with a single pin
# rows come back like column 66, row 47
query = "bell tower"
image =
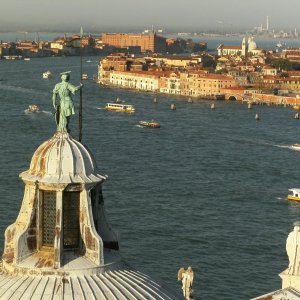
column 244, row 47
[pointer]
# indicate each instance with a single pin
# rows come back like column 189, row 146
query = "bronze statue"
column 65, row 109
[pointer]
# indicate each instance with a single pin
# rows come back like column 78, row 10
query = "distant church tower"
column 61, row 246
column 244, row 47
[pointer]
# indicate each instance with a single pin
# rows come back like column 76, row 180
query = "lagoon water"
column 207, row 189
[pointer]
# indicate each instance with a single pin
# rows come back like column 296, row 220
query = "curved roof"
column 62, row 160
column 127, row 284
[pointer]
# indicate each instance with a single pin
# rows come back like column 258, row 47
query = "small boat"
column 118, row 100
column 296, row 147
column 190, row 100
column 26, row 58
column 212, row 106
column 84, row 77
column 296, row 116
column 47, row 75
column 173, row 106
column 295, row 195
column 257, row 117
column 296, row 107
column 33, row 108
column 152, row 124
column 89, row 61
column 120, row 107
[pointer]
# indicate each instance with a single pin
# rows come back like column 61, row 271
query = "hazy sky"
column 117, row 15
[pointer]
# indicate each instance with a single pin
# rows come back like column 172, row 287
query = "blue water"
column 207, row 189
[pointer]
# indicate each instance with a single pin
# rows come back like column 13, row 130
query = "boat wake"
column 282, row 146
column 46, row 112
column 21, row 89
column 291, row 147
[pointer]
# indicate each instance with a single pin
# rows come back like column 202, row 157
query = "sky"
column 126, row 15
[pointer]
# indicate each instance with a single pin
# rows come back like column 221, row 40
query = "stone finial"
column 293, row 251
column 186, row 277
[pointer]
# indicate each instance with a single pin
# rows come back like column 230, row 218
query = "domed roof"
column 251, row 44
column 62, row 160
column 119, row 284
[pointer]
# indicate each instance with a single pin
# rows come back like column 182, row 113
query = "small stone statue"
column 66, row 107
column 293, row 250
column 186, row 277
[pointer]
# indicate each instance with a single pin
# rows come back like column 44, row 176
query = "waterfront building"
column 61, row 245
column 170, row 83
column 147, row 42
column 145, row 81
column 180, row 76
column 117, row 62
column 209, row 85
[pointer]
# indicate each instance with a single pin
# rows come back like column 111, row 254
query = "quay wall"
column 275, row 99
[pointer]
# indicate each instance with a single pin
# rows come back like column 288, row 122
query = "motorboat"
column 47, row 75
column 295, row 195
column 296, row 107
column 152, row 124
column 84, row 77
column 296, row 147
column 33, row 108
column 120, row 107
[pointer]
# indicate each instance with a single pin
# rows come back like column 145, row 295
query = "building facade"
column 147, row 42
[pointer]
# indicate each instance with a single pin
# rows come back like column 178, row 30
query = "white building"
column 145, row 81
column 248, row 47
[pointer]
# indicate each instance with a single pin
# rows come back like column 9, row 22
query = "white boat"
column 295, row 195
column 32, row 108
column 84, row 77
column 26, row 58
column 151, row 124
column 296, row 147
column 120, row 107
column 47, row 75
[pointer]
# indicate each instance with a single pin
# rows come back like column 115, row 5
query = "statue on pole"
column 65, row 108
column 187, row 278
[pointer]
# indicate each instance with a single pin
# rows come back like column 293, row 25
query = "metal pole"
column 80, row 103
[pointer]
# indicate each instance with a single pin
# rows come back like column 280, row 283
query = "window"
column 71, row 219
column 48, row 218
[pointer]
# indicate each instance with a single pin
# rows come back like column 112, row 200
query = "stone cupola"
column 61, row 245
column 62, row 214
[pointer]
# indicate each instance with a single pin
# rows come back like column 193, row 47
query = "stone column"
column 58, row 240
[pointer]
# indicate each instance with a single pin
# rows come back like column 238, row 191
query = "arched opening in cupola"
column 71, row 227
column 48, row 218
